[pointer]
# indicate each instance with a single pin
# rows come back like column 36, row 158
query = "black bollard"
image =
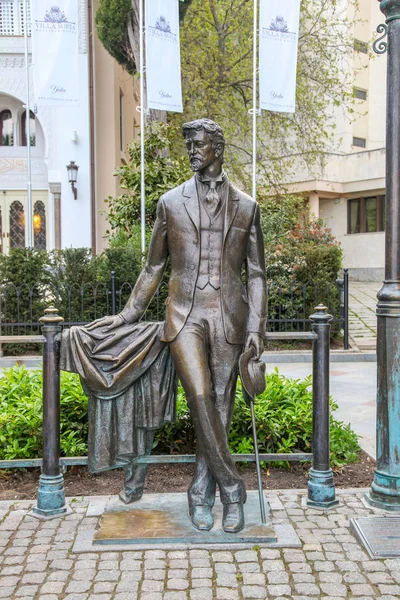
column 321, row 487
column 51, row 495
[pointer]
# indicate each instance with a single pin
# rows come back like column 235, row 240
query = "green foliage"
column 217, row 55
column 112, row 28
column 162, row 173
column 284, row 423
column 112, row 18
column 283, row 415
column 21, row 414
column 303, row 259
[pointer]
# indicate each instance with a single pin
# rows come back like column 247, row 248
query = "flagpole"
column 142, row 126
column 28, row 131
column 255, row 110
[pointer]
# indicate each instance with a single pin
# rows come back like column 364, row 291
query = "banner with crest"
column 279, row 34
column 163, row 55
column 55, row 52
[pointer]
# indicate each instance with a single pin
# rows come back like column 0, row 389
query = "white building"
column 93, row 135
column 349, row 191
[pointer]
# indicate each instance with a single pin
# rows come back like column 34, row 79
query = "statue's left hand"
column 256, row 340
column 107, row 323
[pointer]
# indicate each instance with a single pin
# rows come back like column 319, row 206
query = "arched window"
column 32, row 128
column 6, row 128
column 17, row 225
column 39, row 226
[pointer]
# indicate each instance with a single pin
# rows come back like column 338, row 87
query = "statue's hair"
column 213, row 129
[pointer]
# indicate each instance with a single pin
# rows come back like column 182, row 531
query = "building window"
column 121, row 120
column 32, row 125
column 12, row 17
column 6, row 128
column 360, row 94
column 359, row 142
column 360, row 46
column 39, row 226
column 366, row 215
column 17, row 225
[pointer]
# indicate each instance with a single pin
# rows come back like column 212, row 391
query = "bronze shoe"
column 233, row 518
column 201, row 517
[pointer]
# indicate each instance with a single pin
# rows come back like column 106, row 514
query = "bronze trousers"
column 208, row 369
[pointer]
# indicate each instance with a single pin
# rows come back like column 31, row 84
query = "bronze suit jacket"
column 177, row 234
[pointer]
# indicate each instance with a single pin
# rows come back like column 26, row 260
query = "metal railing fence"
column 289, row 307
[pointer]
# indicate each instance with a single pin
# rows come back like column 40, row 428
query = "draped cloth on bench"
column 130, row 380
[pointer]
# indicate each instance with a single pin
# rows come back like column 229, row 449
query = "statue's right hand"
column 107, row 323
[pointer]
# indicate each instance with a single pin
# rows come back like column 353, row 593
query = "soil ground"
column 22, row 484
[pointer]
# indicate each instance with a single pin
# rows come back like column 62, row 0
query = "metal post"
column 321, row 488
column 346, row 309
column 51, row 496
column 113, row 294
column 385, row 489
column 142, row 132
column 29, row 220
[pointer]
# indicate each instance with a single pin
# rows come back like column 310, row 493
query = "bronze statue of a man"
column 210, row 230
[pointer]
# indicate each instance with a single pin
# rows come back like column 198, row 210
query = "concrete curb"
column 305, row 356
column 288, row 356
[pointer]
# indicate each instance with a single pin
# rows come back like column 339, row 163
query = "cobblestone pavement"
column 362, row 308
column 37, row 562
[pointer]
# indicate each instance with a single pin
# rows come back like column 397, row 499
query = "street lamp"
column 72, row 169
column 385, row 489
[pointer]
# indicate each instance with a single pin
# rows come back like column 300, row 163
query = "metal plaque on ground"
column 379, row 535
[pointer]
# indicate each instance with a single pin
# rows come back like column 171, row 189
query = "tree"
column 217, row 55
column 163, row 172
column 117, row 25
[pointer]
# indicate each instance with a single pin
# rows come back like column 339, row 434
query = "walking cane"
column 252, row 374
column 259, row 480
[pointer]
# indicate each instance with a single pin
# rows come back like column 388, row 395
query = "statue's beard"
column 196, row 164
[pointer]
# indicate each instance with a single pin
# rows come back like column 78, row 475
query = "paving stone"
column 222, row 557
column 361, row 589
column 78, row 587
column 307, row 589
column 152, row 586
column 56, row 587
column 253, row 591
column 276, row 577
column 201, row 583
column 227, row 580
column 175, row 596
column 177, row 584
column 27, row 590
column 200, row 573
column 107, row 575
column 335, row 589
column 227, row 594
column 103, row 587
column 279, row 590
column 177, row 573
column 205, row 594
column 246, row 556
column 224, row 568
column 157, row 574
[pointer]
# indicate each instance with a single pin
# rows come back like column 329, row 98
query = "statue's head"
column 205, row 143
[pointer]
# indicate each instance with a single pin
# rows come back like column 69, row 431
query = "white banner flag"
column 279, row 34
column 163, row 56
column 55, row 52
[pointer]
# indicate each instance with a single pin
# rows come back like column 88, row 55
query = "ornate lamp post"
column 385, row 489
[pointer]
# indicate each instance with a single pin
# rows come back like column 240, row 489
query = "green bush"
column 303, row 261
column 283, row 415
column 21, row 414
